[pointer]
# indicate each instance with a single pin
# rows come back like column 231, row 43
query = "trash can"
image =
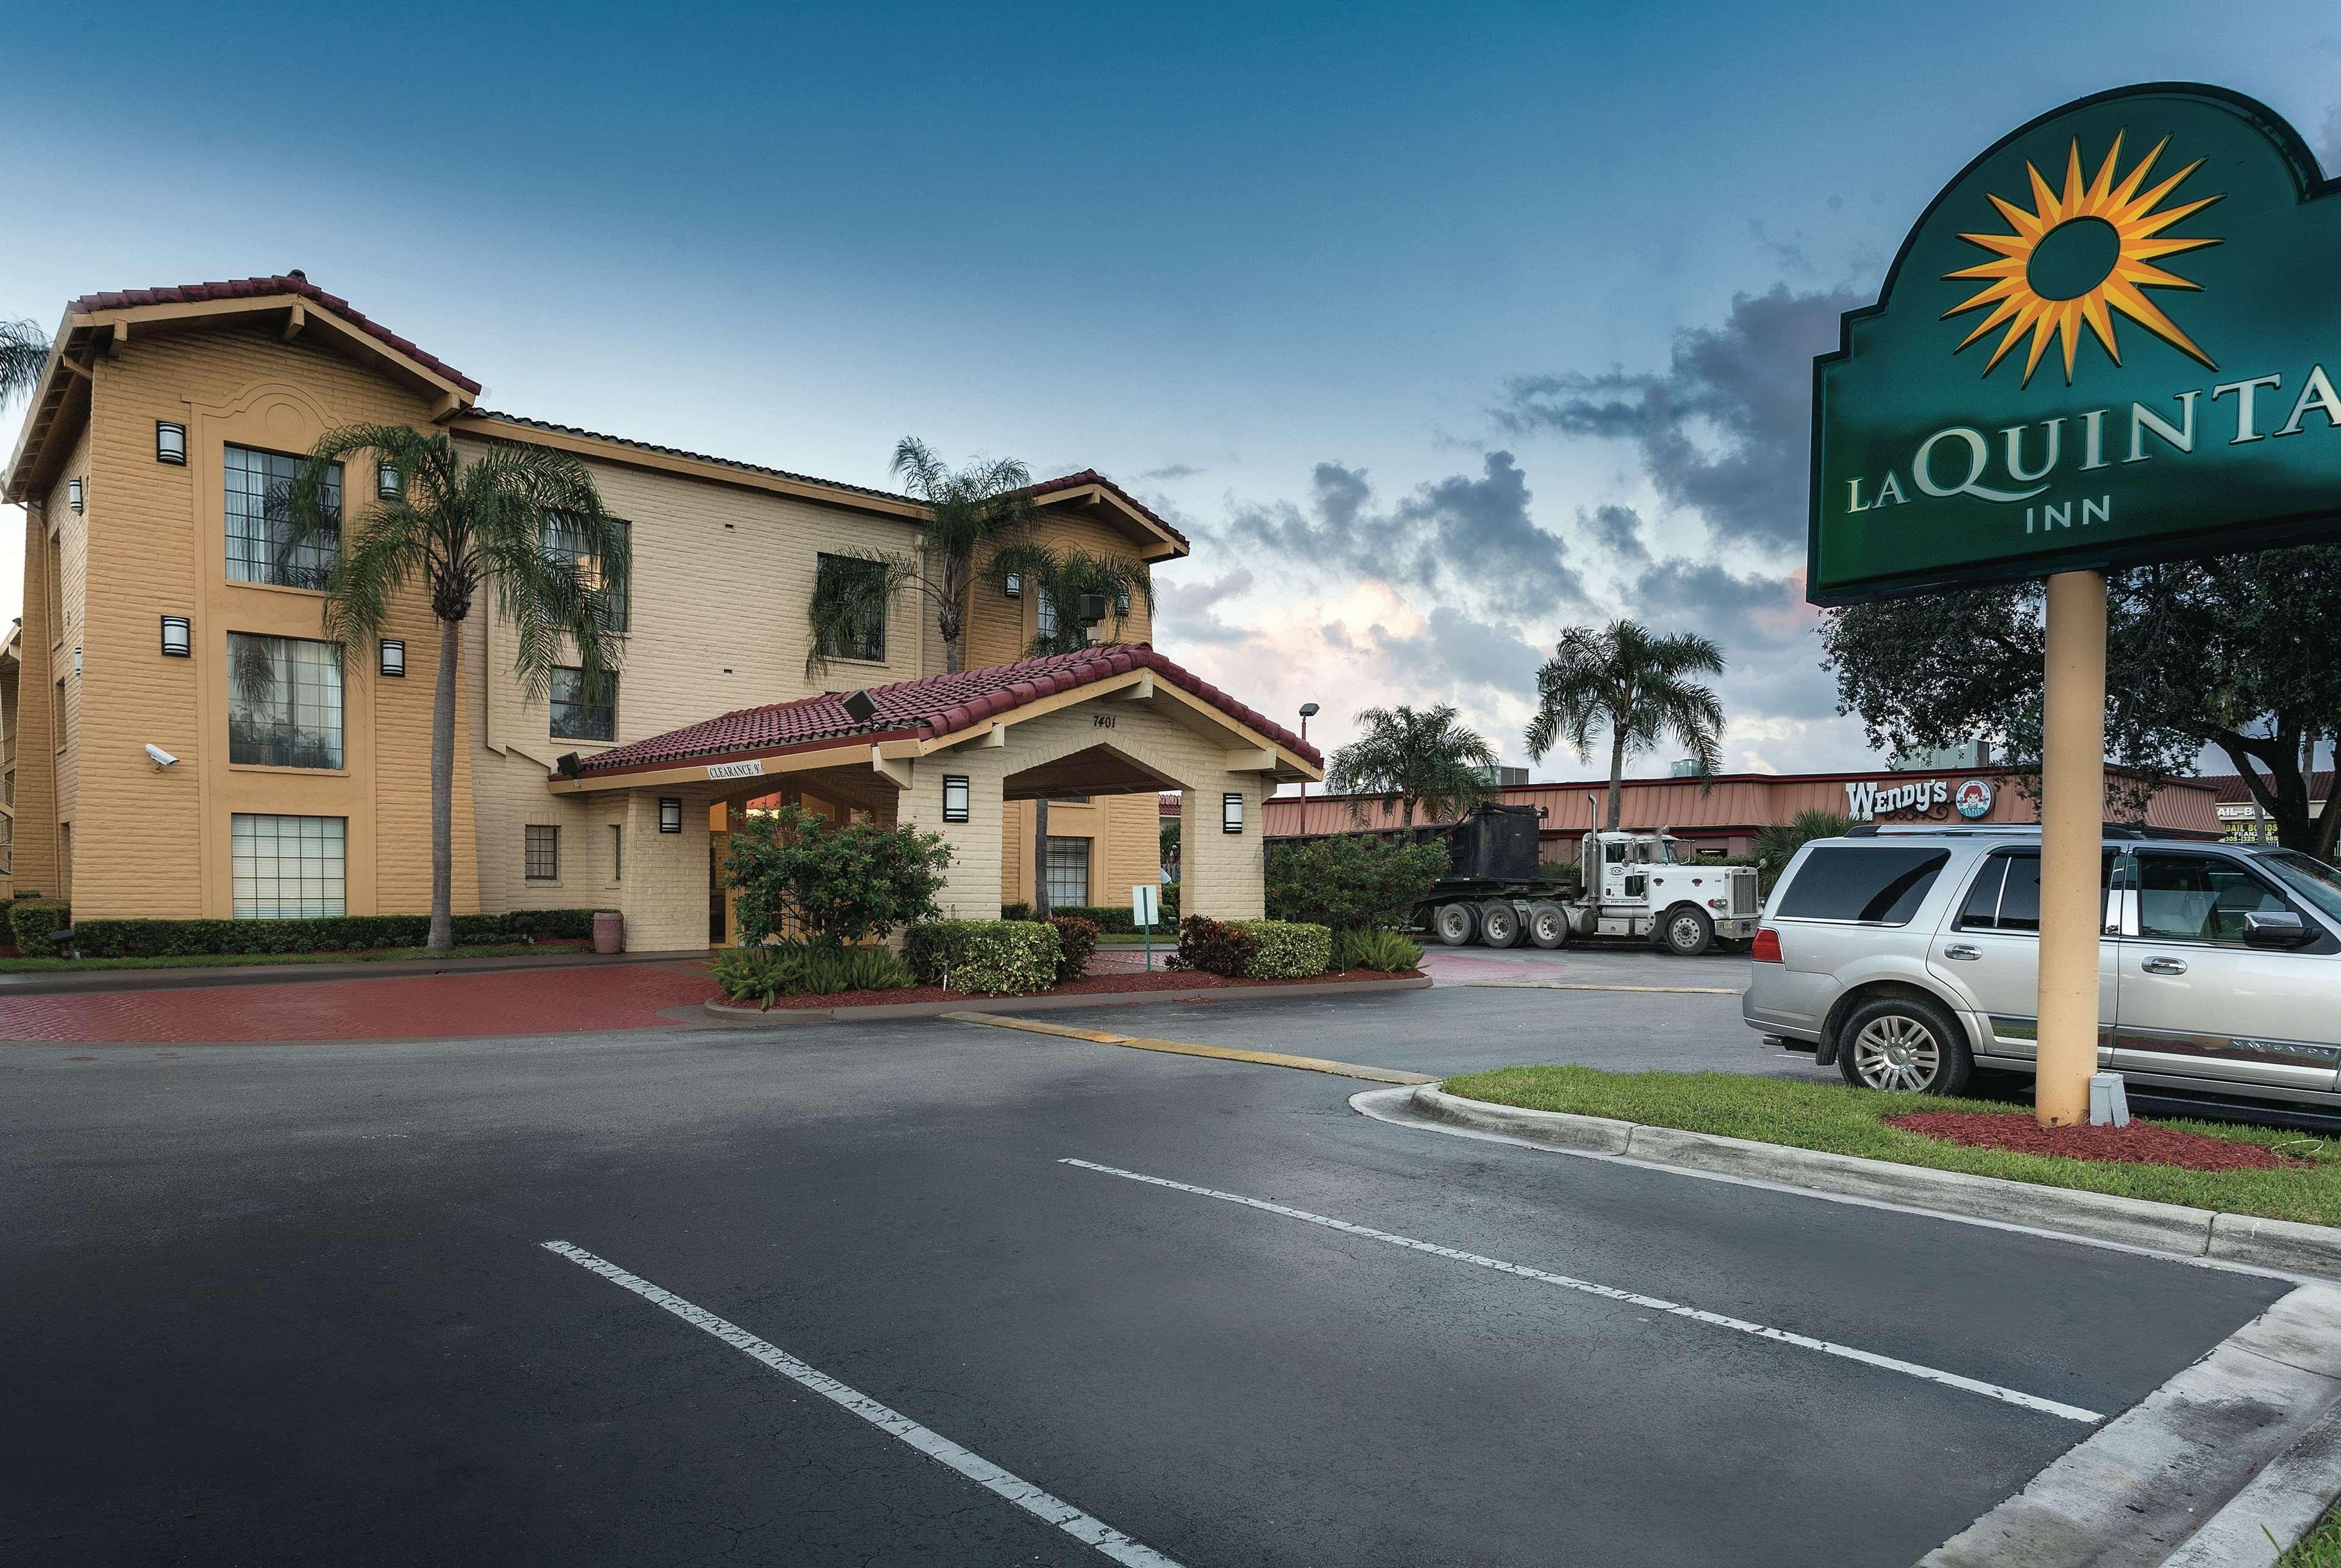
column 609, row 931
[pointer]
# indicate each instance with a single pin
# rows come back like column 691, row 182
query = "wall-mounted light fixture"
column 169, row 443
column 1122, row 602
column 670, row 814
column 393, row 657
column 386, row 481
column 178, row 637
column 1014, row 587
column 73, row 494
column 1231, row 812
column 954, row 797
column 76, row 664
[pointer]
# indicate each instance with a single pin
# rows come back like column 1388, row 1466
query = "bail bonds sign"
column 2113, row 338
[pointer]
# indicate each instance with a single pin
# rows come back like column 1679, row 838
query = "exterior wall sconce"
column 1122, row 603
column 76, row 664
column 670, row 814
column 393, row 657
column 1231, row 812
column 178, row 638
column 1014, row 587
column 954, row 797
column 74, row 495
column 169, row 443
column 386, row 481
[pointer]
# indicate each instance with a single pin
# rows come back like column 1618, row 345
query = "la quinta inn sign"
column 2113, row 338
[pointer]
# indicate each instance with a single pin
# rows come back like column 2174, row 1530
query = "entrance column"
column 970, row 888
column 663, row 879
column 1222, row 876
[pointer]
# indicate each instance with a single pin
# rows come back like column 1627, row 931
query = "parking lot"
column 932, row 1293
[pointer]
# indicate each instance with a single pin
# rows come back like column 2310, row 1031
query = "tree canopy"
column 1423, row 761
column 1637, row 687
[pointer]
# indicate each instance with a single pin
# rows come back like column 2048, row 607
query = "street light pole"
column 1308, row 711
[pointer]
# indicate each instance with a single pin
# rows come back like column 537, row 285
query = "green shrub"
column 30, row 920
column 1351, row 880
column 1076, row 939
column 1015, row 912
column 765, row 974
column 985, row 958
column 1112, row 919
column 1385, row 952
column 1215, row 946
column 802, row 877
column 327, row 933
column 1288, row 950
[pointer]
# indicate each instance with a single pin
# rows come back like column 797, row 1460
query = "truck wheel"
column 1455, row 924
column 1548, row 924
column 1500, row 926
column 1688, row 931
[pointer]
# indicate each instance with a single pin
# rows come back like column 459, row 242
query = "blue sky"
column 1354, row 292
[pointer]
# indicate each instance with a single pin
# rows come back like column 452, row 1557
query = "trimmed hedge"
column 30, row 920
column 329, row 934
column 1288, row 950
column 1113, row 920
column 1076, row 939
column 1215, row 946
column 984, row 957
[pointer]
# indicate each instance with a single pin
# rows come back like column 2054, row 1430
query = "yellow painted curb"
column 1185, row 1048
column 1588, row 986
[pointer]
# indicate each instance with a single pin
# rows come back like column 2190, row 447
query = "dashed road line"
column 1186, row 1048
column 1041, row 1505
column 1632, row 1298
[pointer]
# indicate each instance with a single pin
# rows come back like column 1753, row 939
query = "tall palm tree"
column 979, row 508
column 24, row 353
column 462, row 526
column 1057, row 581
column 1414, row 760
column 1635, row 685
column 1778, row 844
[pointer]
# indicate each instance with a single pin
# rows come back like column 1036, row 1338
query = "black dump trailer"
column 1493, row 891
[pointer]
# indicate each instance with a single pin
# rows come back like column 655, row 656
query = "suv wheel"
column 1904, row 1045
column 1688, row 931
column 1455, row 924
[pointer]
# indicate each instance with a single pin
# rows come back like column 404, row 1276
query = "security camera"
column 161, row 758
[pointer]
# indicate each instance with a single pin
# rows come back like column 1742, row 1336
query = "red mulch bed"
column 2139, row 1143
column 1089, row 985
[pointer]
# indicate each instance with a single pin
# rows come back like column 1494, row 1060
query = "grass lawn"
column 2320, row 1548
column 236, row 960
column 1847, row 1121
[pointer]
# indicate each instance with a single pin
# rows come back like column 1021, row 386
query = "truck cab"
column 1646, row 887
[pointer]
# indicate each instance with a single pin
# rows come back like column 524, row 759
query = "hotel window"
column 862, row 584
column 58, row 716
column 1068, row 870
column 283, row 702
column 617, row 851
column 565, row 540
column 1044, row 613
column 260, row 544
column 287, row 867
column 541, row 852
column 582, row 712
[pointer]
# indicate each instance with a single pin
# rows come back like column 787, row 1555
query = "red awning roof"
column 2232, row 791
column 925, row 709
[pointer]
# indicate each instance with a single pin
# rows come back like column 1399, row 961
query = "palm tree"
column 462, row 527
column 1635, row 685
column 1779, row 843
column 24, row 353
column 1412, row 760
column 1058, row 580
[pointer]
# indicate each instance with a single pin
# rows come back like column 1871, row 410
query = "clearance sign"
column 2113, row 338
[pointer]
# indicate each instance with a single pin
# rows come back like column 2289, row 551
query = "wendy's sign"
column 2113, row 338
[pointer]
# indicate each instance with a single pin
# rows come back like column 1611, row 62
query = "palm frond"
column 846, row 606
column 24, row 355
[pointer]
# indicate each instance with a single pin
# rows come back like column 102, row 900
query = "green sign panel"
column 2114, row 338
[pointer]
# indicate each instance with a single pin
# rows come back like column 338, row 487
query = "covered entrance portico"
column 947, row 753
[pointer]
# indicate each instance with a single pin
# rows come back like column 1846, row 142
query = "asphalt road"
column 291, row 1305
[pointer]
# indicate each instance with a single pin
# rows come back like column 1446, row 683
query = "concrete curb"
column 730, row 1012
column 2165, row 1227
column 2284, row 1501
column 71, row 982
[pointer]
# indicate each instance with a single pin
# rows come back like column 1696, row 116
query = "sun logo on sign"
column 2079, row 255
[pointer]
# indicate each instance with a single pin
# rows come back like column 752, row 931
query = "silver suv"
column 1909, row 958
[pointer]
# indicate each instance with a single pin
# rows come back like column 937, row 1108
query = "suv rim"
column 1897, row 1051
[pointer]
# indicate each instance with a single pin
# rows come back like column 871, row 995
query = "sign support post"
column 2072, row 832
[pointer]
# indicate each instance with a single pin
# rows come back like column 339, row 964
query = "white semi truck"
column 1634, row 885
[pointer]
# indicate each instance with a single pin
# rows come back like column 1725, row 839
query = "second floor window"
column 260, row 542
column 583, row 711
column 1044, row 613
column 862, row 582
column 565, row 540
column 283, row 702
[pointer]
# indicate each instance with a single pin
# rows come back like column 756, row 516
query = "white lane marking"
column 1040, row 1504
column 1611, row 1293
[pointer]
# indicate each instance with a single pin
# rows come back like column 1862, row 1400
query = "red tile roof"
column 2232, row 791
column 1092, row 477
column 924, row 709
column 546, row 425
column 264, row 288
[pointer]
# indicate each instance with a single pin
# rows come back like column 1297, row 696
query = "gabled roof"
column 926, row 710
column 1048, row 491
column 295, row 283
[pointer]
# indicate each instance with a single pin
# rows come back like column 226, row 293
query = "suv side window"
column 2198, row 898
column 2005, row 893
column 1879, row 887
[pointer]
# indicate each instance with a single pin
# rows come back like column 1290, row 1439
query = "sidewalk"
column 76, row 982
